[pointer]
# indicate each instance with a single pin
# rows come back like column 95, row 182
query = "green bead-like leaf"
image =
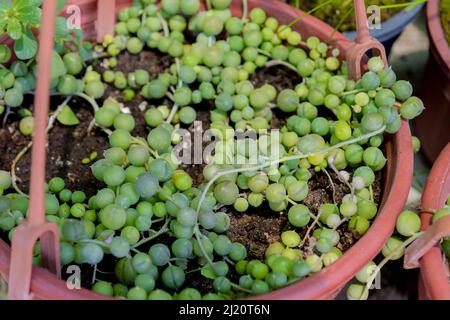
column 67, row 117
column 208, row 272
column 26, row 47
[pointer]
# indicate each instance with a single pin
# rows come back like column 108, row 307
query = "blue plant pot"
column 392, row 28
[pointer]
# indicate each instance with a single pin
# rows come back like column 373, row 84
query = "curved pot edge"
column 440, row 46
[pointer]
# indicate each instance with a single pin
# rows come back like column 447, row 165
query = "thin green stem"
column 175, row 107
column 291, row 201
column 169, row 198
column 341, row 178
column 14, row 166
column 170, row 96
column 135, row 250
column 158, row 220
column 344, row 220
column 29, row 62
column 228, row 260
column 178, row 259
column 194, row 270
column 211, row 41
column 97, row 242
column 264, row 52
column 198, row 236
column 295, row 203
column 341, row 22
column 7, row 113
column 308, row 13
column 350, row 92
column 402, row 5
column 94, row 274
column 311, row 227
column 138, row 141
column 208, row 4
column 173, row 112
column 236, row 286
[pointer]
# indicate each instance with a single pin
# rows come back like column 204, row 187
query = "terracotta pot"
column 432, row 126
column 327, row 283
column 434, row 282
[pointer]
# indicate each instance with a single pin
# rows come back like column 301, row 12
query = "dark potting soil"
column 256, row 229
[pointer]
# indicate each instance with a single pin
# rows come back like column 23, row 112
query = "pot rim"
column 440, row 46
column 329, row 281
column 433, row 271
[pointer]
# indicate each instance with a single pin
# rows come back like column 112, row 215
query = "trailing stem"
column 341, row 178
column 341, row 22
column 138, row 141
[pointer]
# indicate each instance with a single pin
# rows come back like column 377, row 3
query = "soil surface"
column 256, row 228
